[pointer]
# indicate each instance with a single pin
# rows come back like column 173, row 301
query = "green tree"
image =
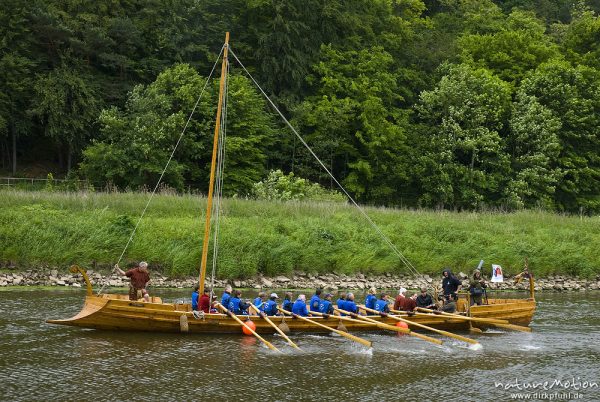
column 534, row 146
column 463, row 163
column 354, row 123
column 571, row 94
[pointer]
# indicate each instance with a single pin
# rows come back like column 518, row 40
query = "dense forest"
column 457, row 104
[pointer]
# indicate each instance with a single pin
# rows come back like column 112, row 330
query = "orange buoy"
column 251, row 325
column 401, row 324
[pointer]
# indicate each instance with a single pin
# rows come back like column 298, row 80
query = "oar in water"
column 271, row 323
column 380, row 325
column 489, row 321
column 438, row 331
column 411, row 333
column 342, row 333
column 229, row 313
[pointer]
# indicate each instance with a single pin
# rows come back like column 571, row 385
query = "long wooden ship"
column 117, row 312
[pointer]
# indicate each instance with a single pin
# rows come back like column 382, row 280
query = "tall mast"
column 212, row 168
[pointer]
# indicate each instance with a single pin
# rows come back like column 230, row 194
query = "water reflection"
column 44, row 361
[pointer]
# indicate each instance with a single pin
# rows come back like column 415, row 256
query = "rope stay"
column 401, row 256
column 165, row 168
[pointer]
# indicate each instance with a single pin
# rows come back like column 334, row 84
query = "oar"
column 490, row 321
column 342, row 333
column 438, row 331
column 271, row 323
column 411, row 333
column 229, row 313
column 376, row 323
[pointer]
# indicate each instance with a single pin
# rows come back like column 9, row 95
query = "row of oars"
column 356, row 318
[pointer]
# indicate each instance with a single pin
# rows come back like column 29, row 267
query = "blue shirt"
column 326, row 307
column 234, row 305
column 299, row 308
column 340, row 303
column 314, row 303
column 382, row 306
column 350, row 306
column 225, row 299
column 287, row 305
column 370, row 301
column 258, row 303
column 195, row 300
column 271, row 307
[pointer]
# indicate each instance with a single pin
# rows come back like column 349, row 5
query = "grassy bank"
column 271, row 238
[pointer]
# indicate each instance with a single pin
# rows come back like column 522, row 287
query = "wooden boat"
column 117, row 312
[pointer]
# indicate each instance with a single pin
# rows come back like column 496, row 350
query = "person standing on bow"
column 477, row 288
column 381, row 305
column 451, row 285
column 371, row 299
column 315, row 300
column 139, row 278
column 299, row 306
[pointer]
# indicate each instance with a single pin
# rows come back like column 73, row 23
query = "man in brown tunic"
column 139, row 277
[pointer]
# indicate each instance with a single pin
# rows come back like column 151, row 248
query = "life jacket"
column 234, row 305
column 370, row 301
column 314, row 303
column 299, row 308
column 270, row 307
column 325, row 307
column 381, row 306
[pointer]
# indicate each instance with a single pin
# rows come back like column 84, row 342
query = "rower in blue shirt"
column 371, row 299
column 287, row 302
column 341, row 300
column 315, row 300
column 326, row 307
column 259, row 301
column 195, row 297
column 270, row 307
column 299, row 306
column 381, row 305
column 350, row 305
column 226, row 296
column 237, row 305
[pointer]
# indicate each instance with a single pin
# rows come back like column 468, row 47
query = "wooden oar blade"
column 514, row 327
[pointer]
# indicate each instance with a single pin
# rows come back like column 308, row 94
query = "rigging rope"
column 165, row 169
column 406, row 262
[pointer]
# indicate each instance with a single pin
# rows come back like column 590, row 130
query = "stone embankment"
column 332, row 281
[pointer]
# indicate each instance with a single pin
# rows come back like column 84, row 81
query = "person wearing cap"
column 299, row 306
column 371, row 299
column 139, row 278
column 315, row 300
column 270, row 307
column 287, row 302
column 326, row 307
column 259, row 301
column 381, row 305
column 399, row 299
column 425, row 300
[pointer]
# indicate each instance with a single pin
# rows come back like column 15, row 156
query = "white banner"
column 497, row 273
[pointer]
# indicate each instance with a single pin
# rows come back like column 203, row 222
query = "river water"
column 41, row 361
